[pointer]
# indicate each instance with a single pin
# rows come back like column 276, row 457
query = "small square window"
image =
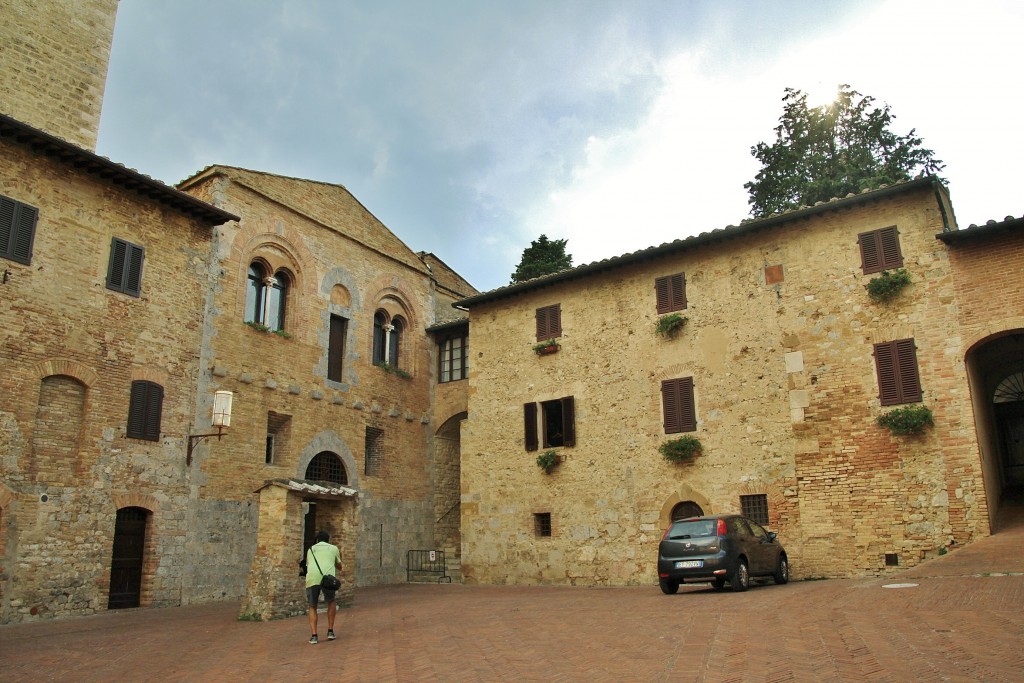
column 374, row 452
column 755, row 508
column 542, row 523
column 17, row 230
column 892, row 560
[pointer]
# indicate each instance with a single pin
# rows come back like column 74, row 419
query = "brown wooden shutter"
column 530, row 426
column 898, row 377
column 880, row 250
column 906, row 361
column 678, row 406
column 124, row 272
column 133, row 270
column 335, row 348
column 670, row 293
column 568, row 421
column 549, row 322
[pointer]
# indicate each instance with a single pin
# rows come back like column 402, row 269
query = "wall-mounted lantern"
column 221, row 420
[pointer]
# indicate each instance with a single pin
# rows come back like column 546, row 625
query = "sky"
column 470, row 128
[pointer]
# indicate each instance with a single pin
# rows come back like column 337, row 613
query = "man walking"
column 321, row 558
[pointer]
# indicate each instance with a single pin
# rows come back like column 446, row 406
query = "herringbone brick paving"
column 964, row 621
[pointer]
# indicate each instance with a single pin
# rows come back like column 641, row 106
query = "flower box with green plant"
column 260, row 327
column 908, row 420
column 668, row 326
column 548, row 461
column 545, row 347
column 682, row 449
column 392, row 369
column 887, row 285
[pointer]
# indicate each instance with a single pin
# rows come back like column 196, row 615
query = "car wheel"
column 668, row 587
column 782, row 570
column 740, row 578
column 718, row 584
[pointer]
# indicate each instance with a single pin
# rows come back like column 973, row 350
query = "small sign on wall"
column 433, row 556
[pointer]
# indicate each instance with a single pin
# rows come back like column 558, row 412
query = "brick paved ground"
column 964, row 621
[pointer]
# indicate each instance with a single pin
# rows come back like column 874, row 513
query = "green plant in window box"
column 668, row 326
column 545, row 347
column 548, row 461
column 887, row 285
column 259, row 327
column 908, row 420
column 682, row 449
column 393, row 369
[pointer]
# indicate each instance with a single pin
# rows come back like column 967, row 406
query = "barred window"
column 755, row 508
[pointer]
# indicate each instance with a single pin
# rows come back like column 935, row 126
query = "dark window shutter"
column 670, row 292
column 124, row 272
column 568, row 421
column 335, row 348
column 530, row 426
column 898, row 378
column 154, row 410
column 145, row 408
column 549, row 322
column 678, row 405
column 17, row 230
column 880, row 250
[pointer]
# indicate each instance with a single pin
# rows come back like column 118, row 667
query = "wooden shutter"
column 530, row 426
column 137, row 411
column 898, row 377
column 124, row 272
column 154, row 410
column 568, row 421
column 880, row 250
column 17, row 230
column 678, row 406
column 549, row 322
column 670, row 293
column 335, row 348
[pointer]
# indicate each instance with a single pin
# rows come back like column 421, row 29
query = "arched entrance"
column 126, row 558
column 995, row 367
column 325, row 466
column 686, row 509
column 447, row 450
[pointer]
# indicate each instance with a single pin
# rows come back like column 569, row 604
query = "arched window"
column 380, row 323
column 266, row 296
column 395, row 340
column 326, row 466
column 685, row 510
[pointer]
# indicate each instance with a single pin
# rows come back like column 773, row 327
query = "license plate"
column 689, row 564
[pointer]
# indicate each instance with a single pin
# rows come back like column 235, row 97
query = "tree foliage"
column 825, row 152
column 542, row 257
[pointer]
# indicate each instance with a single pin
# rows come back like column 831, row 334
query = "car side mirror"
column 772, row 536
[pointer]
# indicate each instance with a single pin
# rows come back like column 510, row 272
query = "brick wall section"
column 345, row 263
column 54, row 61
column 72, row 349
column 786, row 398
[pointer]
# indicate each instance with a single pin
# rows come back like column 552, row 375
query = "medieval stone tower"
column 53, row 57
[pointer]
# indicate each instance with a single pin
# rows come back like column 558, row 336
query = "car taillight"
column 721, row 528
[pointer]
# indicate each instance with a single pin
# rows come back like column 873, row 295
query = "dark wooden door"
column 126, row 561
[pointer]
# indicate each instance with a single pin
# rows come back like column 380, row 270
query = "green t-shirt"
column 326, row 555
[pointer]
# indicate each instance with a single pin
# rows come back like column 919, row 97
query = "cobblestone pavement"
column 962, row 621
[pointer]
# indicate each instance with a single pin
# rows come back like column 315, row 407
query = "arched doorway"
column 447, row 472
column 686, row 509
column 325, row 466
column 995, row 367
column 126, row 558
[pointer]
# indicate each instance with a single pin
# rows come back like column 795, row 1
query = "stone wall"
column 786, row 399
column 72, row 350
column 54, row 63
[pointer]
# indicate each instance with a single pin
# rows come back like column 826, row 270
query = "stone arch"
column 447, row 478
column 59, row 429
column 71, row 368
column 134, row 500
column 989, row 360
column 391, row 295
column 328, row 440
column 683, row 492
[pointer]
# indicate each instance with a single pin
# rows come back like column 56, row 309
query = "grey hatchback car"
column 717, row 549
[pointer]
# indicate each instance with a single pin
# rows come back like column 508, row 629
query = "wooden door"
column 126, row 561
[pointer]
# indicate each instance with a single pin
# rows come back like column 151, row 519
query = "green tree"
column 830, row 151
column 542, row 257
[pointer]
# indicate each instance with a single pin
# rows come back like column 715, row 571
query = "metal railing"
column 426, row 562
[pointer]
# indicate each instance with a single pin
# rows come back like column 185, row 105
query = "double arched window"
column 266, row 296
column 387, row 338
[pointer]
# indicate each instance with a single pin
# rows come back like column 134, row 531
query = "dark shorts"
column 313, row 595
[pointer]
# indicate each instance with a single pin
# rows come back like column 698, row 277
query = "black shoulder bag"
column 329, row 582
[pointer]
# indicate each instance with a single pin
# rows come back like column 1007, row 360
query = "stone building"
column 780, row 369
column 128, row 304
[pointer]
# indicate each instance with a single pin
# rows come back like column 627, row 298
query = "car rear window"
column 693, row 528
